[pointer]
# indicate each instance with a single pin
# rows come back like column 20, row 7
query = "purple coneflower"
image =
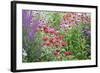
column 63, row 25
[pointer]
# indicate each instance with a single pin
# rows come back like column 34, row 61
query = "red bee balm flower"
column 52, row 40
column 45, row 38
column 56, row 53
column 48, row 43
column 45, row 26
column 52, row 30
column 46, row 30
column 56, row 37
column 68, row 53
column 63, row 43
column 61, row 37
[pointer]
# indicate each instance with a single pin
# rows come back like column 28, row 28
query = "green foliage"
column 77, row 42
column 54, row 17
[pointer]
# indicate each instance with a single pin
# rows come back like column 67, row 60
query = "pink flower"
column 45, row 38
column 45, row 27
column 46, row 30
column 52, row 40
column 57, row 32
column 52, row 30
column 48, row 43
column 63, row 43
column 56, row 53
column 63, row 25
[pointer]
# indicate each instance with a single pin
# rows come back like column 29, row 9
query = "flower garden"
column 55, row 36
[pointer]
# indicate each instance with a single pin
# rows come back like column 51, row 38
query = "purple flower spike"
column 26, row 18
column 30, row 35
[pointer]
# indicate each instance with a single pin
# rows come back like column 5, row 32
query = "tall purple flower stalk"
column 29, row 23
column 26, row 18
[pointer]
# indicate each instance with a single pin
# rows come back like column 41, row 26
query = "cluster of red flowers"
column 50, row 30
column 68, row 53
column 55, row 41
column 57, row 53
